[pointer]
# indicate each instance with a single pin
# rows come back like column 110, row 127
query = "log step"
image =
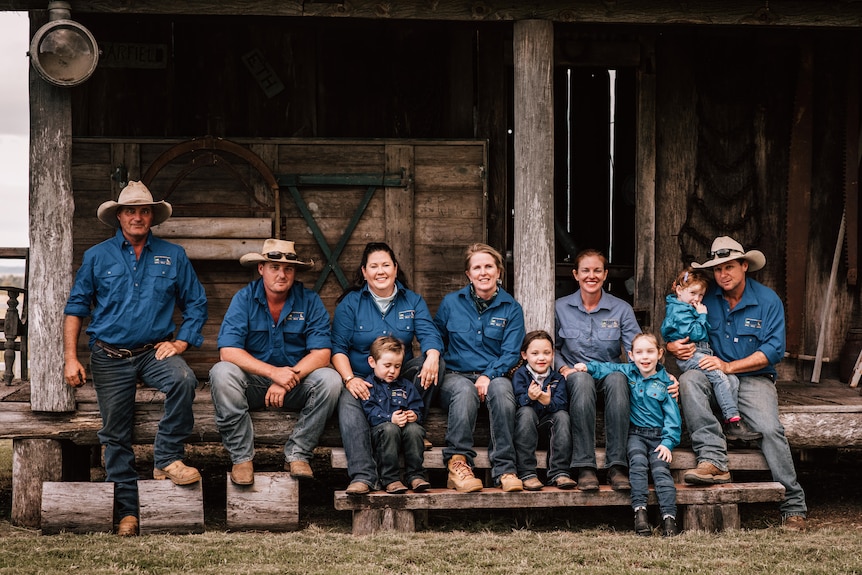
column 77, row 507
column 169, row 508
column 271, row 503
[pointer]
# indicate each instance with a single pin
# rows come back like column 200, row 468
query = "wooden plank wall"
column 442, row 208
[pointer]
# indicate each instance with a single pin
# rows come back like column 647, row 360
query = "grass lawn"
column 542, row 542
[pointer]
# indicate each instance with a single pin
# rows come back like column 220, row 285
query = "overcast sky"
column 14, row 129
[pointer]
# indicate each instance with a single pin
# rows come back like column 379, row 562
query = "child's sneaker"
column 738, row 431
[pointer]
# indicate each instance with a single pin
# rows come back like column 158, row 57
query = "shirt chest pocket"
column 608, row 329
column 458, row 324
column 292, row 326
column 110, row 280
column 162, row 278
column 656, row 390
column 258, row 338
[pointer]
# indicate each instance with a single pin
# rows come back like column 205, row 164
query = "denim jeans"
column 459, row 398
column 356, row 432
column 236, row 392
column 528, row 425
column 583, row 390
column 724, row 386
column 643, row 459
column 758, row 404
column 389, row 440
column 115, row 382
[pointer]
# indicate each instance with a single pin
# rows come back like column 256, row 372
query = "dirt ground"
column 830, row 480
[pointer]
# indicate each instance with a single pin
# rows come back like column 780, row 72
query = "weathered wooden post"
column 534, row 172
column 11, row 331
column 51, row 210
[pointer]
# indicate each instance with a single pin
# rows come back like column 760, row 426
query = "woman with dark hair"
column 483, row 328
column 378, row 304
column 593, row 325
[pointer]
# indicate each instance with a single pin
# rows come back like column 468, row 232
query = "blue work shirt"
column 682, row 320
column 358, row 322
column 755, row 324
column 488, row 343
column 521, row 381
column 598, row 335
column 302, row 326
column 131, row 300
column 650, row 403
column 386, row 398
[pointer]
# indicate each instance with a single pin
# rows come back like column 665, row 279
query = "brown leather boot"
column 178, row 472
column 461, row 477
column 706, row 474
column 242, row 473
column 128, row 526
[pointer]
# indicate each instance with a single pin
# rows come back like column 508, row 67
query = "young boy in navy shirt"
column 394, row 412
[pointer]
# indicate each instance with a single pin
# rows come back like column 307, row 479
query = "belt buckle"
column 124, row 353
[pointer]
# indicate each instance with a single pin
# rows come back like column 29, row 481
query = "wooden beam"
column 400, row 218
column 51, row 211
column 533, row 247
column 645, row 299
column 790, row 13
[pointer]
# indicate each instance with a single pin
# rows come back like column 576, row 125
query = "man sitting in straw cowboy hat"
column 128, row 286
column 274, row 346
column 746, row 332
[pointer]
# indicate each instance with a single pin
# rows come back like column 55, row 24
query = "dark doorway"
column 594, row 192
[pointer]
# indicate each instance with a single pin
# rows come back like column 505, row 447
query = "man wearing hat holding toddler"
column 129, row 286
column 746, row 333
column 274, row 346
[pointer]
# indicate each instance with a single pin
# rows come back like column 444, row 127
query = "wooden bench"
column 703, row 508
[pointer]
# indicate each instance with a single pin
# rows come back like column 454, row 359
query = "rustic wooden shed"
column 642, row 129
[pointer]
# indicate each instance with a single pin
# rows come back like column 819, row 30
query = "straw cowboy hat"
column 725, row 248
column 134, row 194
column 281, row 251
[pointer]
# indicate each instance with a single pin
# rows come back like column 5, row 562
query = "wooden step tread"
column 740, row 460
column 494, row 498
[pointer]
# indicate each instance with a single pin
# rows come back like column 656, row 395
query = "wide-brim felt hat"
column 278, row 251
column 725, row 249
column 134, row 194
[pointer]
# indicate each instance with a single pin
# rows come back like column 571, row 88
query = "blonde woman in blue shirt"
column 483, row 328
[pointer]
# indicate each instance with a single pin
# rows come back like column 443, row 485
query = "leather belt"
column 122, row 353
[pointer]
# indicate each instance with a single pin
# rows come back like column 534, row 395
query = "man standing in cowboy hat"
column 128, row 286
column 746, row 332
column 274, row 345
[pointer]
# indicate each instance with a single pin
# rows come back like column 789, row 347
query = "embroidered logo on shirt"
column 753, row 322
column 162, row 260
column 296, row 316
column 498, row 322
column 407, row 314
column 615, row 323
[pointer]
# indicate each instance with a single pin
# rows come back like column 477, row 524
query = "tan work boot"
column 358, row 488
column 706, row 474
column 461, row 477
column 509, row 482
column 128, row 526
column 533, row 484
column 178, row 472
column 299, row 469
column 242, row 473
